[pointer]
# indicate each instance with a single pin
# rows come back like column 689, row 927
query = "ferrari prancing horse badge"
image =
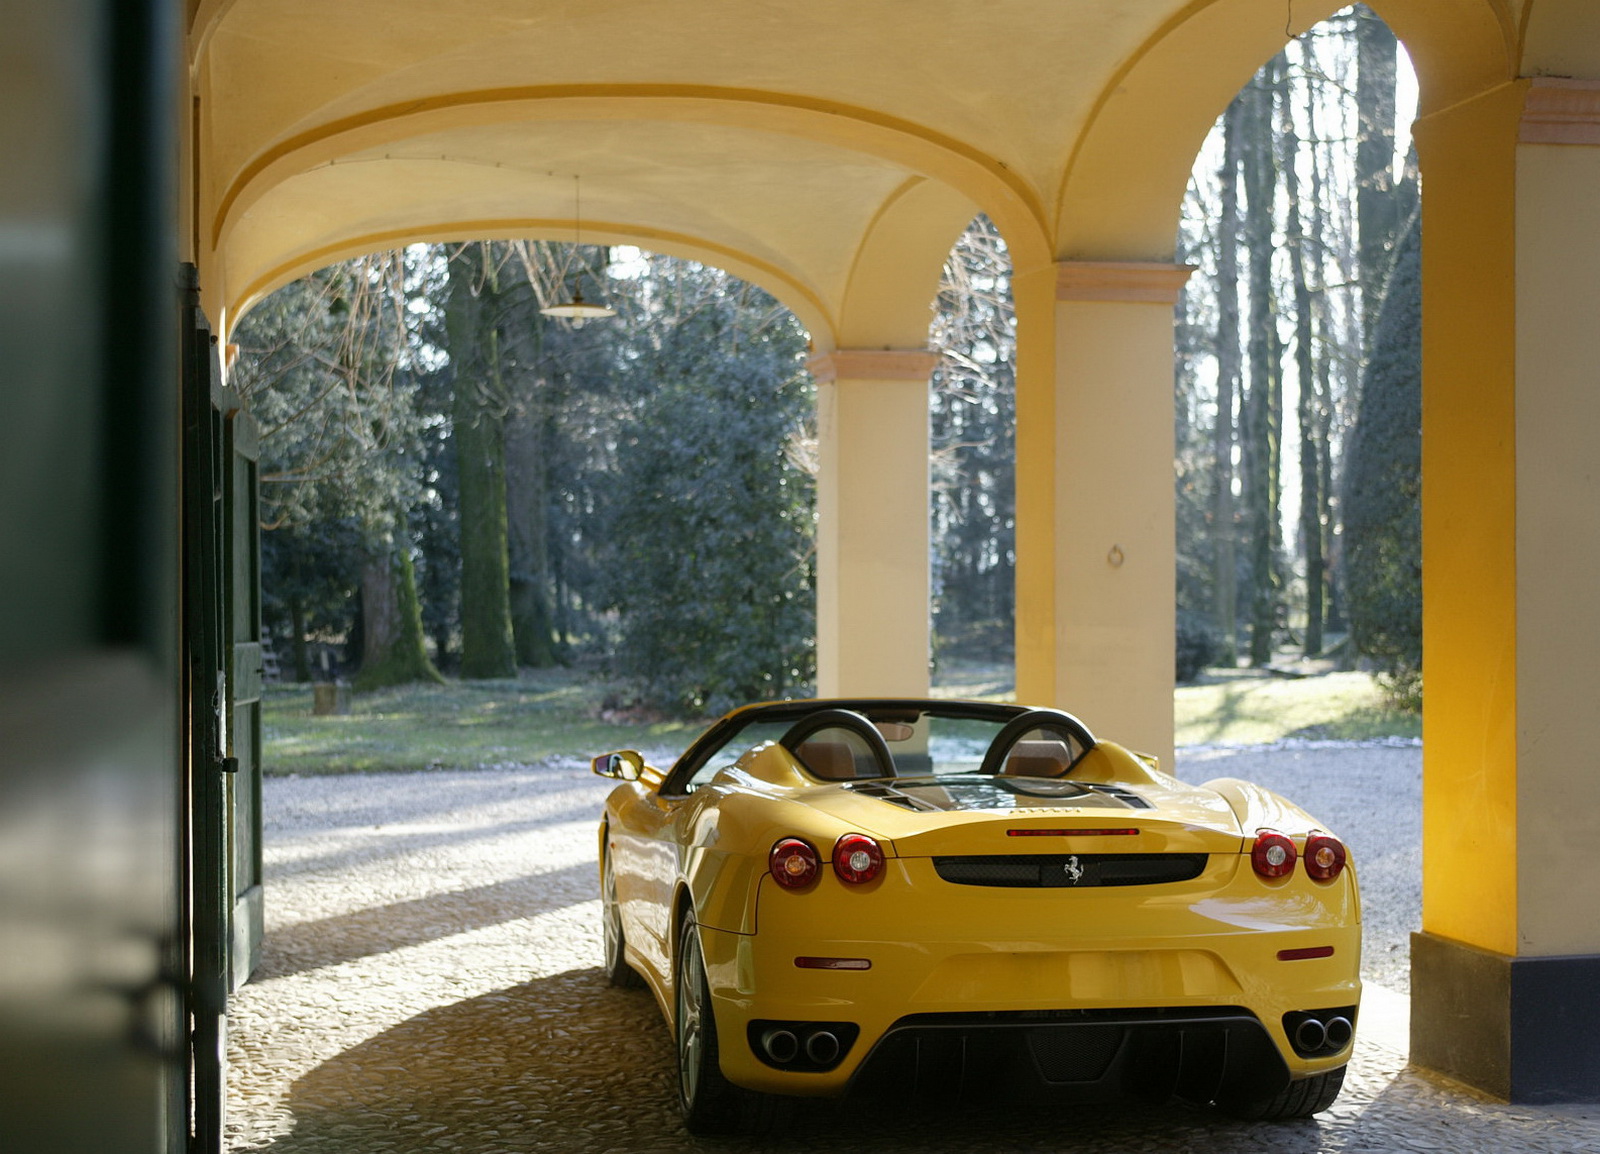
column 1073, row 870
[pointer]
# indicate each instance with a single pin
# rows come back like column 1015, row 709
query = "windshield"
column 923, row 739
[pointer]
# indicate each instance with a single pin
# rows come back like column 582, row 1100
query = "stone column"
column 872, row 522
column 1506, row 973
column 1096, row 556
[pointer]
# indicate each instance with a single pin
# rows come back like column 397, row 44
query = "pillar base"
column 1523, row 1029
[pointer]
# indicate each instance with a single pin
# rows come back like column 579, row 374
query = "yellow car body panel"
column 924, row 945
column 1214, row 942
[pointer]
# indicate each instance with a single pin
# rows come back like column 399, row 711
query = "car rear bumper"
column 1199, row 1055
column 1221, row 947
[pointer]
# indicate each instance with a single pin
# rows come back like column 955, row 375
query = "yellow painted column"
column 1506, row 973
column 872, row 522
column 1095, row 532
column 1034, row 295
column 1469, row 519
column 1558, row 523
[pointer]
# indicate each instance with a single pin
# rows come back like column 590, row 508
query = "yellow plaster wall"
column 1128, row 166
column 1034, row 296
column 872, row 524
column 1562, row 38
column 1469, row 509
column 894, row 279
column 1115, row 532
column 1120, row 198
column 1558, row 547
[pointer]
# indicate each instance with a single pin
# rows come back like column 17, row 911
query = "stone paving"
column 431, row 983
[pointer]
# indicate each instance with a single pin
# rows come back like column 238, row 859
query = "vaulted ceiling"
column 829, row 150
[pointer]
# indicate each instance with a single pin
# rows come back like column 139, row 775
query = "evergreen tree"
column 322, row 366
column 707, row 553
column 1383, row 485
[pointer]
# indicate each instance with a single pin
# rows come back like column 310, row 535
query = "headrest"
column 1037, row 759
column 829, row 760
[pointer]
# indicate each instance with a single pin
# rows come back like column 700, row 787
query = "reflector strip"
column 1307, row 952
column 1071, row 832
column 833, row 963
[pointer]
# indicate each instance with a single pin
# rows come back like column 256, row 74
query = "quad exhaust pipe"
column 1314, row 1036
column 822, row 1048
column 800, row 1045
column 781, row 1046
column 1340, row 1031
column 1310, row 1036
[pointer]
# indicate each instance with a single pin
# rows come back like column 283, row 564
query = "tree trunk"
column 1305, row 373
column 392, row 641
column 1225, row 580
column 1333, row 347
column 478, row 432
column 526, row 500
column 297, row 647
column 1262, row 403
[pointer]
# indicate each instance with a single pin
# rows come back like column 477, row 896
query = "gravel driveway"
column 431, row 981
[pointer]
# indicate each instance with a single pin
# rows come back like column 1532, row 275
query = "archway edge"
column 1121, row 202
column 1015, row 206
column 895, row 278
column 791, row 293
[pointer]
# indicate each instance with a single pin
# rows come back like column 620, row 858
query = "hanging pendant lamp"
column 577, row 310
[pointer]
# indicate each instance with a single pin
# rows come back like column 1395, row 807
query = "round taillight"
column 1273, row 854
column 1325, row 857
column 793, row 863
column 857, row 859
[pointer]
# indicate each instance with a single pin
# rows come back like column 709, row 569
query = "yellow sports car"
column 919, row 896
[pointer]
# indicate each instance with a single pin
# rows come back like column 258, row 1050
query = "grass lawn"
column 460, row 725
column 1247, row 707
column 464, row 725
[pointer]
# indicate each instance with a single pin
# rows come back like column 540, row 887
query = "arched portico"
column 828, row 151
column 811, row 161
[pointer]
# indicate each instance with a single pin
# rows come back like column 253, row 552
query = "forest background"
column 455, row 483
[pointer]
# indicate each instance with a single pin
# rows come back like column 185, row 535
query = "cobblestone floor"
column 431, row 983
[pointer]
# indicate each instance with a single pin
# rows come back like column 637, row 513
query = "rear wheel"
column 711, row 1104
column 1299, row 1099
column 618, row 972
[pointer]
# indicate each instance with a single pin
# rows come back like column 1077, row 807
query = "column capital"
column 1122, row 282
column 873, row 365
column 1561, row 111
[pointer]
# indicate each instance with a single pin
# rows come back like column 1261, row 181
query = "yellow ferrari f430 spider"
column 831, row 897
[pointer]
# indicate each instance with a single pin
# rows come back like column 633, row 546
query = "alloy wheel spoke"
column 690, row 1025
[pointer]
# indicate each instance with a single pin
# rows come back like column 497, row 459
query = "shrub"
column 1196, row 644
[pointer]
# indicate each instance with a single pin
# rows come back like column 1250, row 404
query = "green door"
column 242, row 597
column 206, row 675
column 222, row 646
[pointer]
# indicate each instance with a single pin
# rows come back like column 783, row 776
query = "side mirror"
column 624, row 765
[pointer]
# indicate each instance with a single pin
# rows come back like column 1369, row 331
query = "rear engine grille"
column 1074, row 1053
column 1070, row 870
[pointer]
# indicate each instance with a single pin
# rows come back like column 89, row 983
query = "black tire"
column 1299, row 1099
column 711, row 1104
column 618, row 972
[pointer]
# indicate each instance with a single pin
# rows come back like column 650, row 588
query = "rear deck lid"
column 991, row 815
